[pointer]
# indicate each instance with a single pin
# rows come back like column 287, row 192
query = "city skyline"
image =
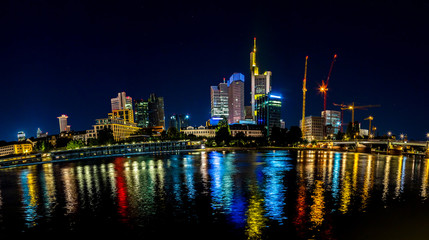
column 97, row 53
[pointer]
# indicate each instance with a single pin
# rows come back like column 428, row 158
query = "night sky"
column 71, row 57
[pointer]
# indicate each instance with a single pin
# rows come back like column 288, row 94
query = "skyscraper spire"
column 254, row 44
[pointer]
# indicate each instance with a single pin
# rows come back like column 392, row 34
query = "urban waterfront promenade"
column 114, row 150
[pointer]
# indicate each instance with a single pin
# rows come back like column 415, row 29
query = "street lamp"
column 389, row 134
column 402, row 136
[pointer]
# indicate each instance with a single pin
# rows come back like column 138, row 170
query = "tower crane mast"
column 304, row 90
column 324, row 87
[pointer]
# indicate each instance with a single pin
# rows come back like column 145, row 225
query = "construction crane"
column 370, row 118
column 304, row 90
column 324, row 87
column 352, row 107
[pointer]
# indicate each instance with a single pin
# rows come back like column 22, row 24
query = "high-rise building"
column 236, row 98
column 63, row 123
column 268, row 111
column 156, row 111
column 333, row 122
column 21, row 136
column 122, row 101
column 179, row 121
column 219, row 100
column 313, row 128
column 41, row 134
column 260, row 83
column 141, row 113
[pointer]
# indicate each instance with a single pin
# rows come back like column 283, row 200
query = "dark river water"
column 212, row 195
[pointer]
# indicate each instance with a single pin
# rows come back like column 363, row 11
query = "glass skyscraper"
column 268, row 111
column 219, row 100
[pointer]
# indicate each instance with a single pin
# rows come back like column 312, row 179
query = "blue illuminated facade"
column 268, row 111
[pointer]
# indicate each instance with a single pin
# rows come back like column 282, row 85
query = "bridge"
column 392, row 146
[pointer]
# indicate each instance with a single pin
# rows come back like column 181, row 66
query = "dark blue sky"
column 71, row 57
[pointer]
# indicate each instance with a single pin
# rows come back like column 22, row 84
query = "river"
column 210, row 195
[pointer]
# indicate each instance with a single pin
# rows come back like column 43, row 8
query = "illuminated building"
column 219, row 100
column 333, row 121
column 268, row 111
column 179, row 121
column 156, row 111
column 141, row 113
column 260, row 83
column 21, row 136
column 18, row 148
column 125, row 114
column 121, row 129
column 236, row 98
column 122, row 101
column 63, row 123
column 41, row 134
column 210, row 131
column 313, row 128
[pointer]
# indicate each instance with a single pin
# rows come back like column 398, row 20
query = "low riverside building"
column 17, row 148
column 121, row 129
column 210, row 131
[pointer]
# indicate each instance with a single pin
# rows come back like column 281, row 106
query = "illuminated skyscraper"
column 156, row 111
column 236, row 98
column 219, row 100
column 121, row 102
column 260, row 83
column 21, row 136
column 141, row 113
column 179, row 121
column 63, row 123
column 268, row 111
column 333, row 121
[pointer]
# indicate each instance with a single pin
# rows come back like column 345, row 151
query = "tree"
column 352, row 130
column 105, row 136
column 223, row 132
column 173, row 133
column 74, row 144
column 339, row 135
column 294, row 135
column 43, row 145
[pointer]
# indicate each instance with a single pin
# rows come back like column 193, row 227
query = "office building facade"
column 236, row 98
column 219, row 100
column 314, row 128
column 332, row 122
column 63, row 123
column 268, row 111
column 141, row 113
column 179, row 121
column 121, row 102
column 156, row 111
column 260, row 83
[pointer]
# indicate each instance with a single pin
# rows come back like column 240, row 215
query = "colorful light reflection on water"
column 251, row 195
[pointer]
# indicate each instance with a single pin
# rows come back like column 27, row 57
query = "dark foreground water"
column 212, row 195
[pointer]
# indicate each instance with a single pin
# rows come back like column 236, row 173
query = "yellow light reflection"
column 70, row 189
column 317, row 208
column 398, row 176
column 425, row 179
column 255, row 217
column 346, row 191
column 355, row 170
column 386, row 178
column 368, row 181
